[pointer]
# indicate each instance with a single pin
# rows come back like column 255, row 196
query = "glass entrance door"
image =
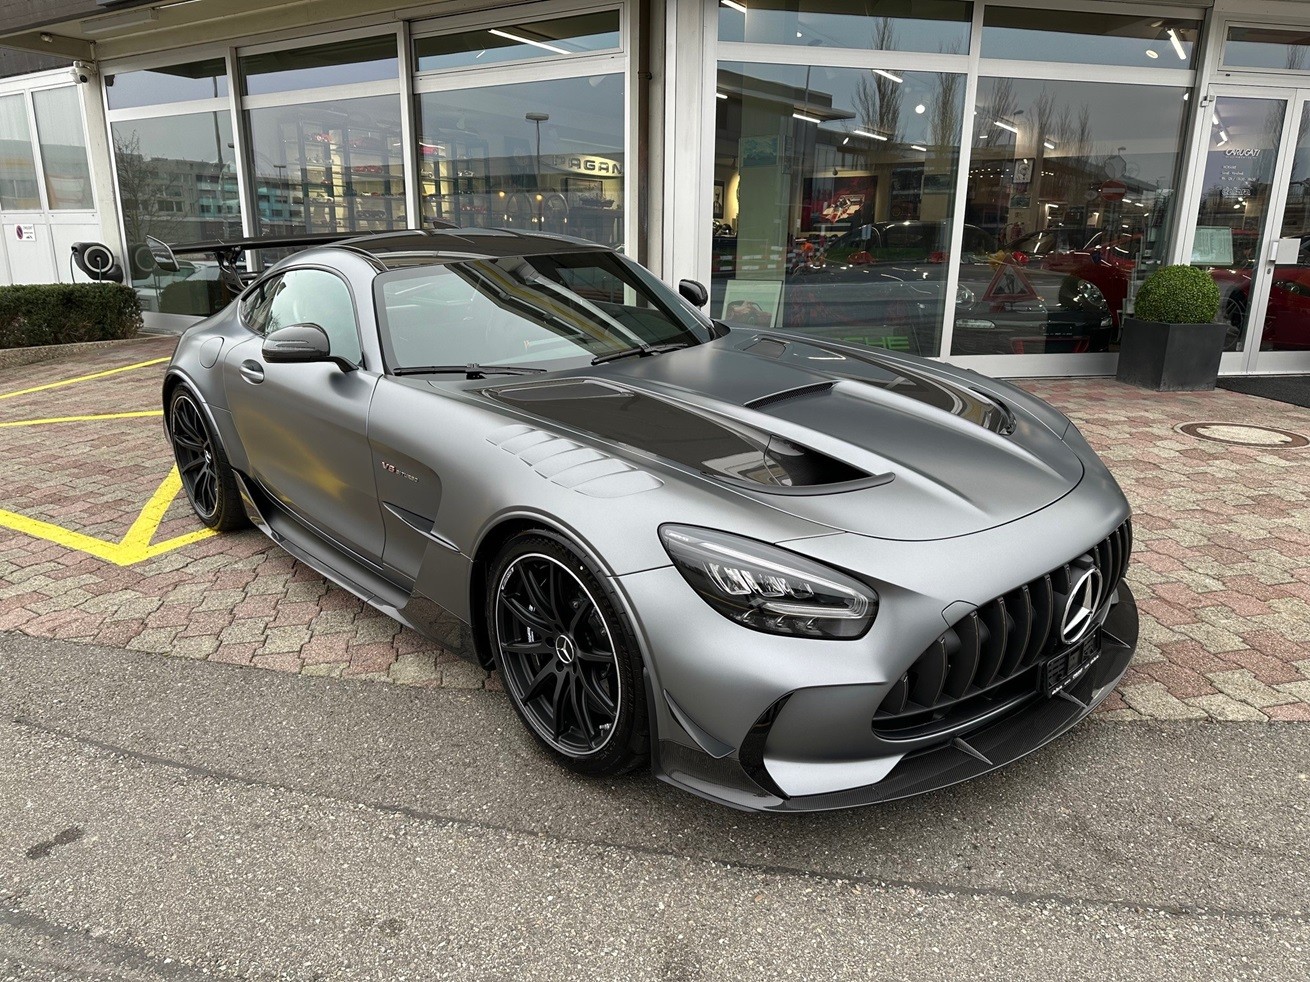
column 1253, row 225
column 1284, row 336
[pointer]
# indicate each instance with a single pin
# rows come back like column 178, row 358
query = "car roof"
column 419, row 247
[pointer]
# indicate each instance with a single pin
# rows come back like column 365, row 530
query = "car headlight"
column 769, row 589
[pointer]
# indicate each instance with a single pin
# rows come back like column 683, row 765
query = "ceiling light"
column 1223, row 136
column 920, row 109
column 845, row 140
column 522, row 40
column 894, row 78
column 1178, row 45
column 1048, row 144
column 1007, row 126
column 719, row 95
column 114, row 22
column 871, row 136
column 1152, row 53
column 915, row 146
column 733, row 4
column 798, row 34
column 805, row 119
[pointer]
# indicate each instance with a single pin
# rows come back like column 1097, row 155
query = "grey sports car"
column 784, row 573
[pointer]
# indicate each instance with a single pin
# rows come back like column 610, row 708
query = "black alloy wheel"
column 567, row 656
column 207, row 477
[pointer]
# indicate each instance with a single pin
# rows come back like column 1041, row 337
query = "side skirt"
column 398, row 602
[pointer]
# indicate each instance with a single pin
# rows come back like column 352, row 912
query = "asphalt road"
column 168, row 819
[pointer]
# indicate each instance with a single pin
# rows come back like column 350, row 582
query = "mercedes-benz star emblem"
column 1083, row 603
column 564, row 649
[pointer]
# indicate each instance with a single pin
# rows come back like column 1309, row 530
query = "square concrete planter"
column 1170, row 357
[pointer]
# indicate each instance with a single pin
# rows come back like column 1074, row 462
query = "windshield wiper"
column 641, row 351
column 470, row 370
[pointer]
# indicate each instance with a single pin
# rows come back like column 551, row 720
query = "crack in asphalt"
column 772, row 869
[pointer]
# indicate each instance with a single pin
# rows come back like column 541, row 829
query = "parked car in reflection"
column 890, row 277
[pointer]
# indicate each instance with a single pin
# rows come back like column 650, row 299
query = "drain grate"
column 1245, row 435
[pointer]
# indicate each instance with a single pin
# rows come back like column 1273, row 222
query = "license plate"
column 1068, row 666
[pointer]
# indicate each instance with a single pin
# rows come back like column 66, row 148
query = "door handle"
column 252, row 371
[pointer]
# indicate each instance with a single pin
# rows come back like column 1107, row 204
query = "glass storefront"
column 1071, row 185
column 331, row 164
column 542, row 156
column 833, row 192
column 18, row 184
column 62, row 139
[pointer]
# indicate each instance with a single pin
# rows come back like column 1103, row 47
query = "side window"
column 313, row 296
column 254, row 305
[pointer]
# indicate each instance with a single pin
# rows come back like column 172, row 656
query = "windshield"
column 556, row 311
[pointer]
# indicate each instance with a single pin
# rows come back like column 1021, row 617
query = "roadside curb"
column 18, row 357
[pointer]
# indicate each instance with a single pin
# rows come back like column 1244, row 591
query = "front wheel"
column 207, row 476
column 567, row 655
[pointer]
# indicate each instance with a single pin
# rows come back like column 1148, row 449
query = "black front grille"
column 992, row 655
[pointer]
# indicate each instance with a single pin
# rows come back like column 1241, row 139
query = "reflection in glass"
column 546, row 156
column 342, row 63
column 334, row 166
column 883, row 25
column 833, row 201
column 1233, row 215
column 177, row 181
column 518, row 42
column 1267, row 47
column 1070, row 187
column 175, row 83
column 63, row 148
column 1287, row 316
column 1089, row 38
column 18, row 187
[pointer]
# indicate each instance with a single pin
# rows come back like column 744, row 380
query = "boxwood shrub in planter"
column 66, row 313
column 1172, row 343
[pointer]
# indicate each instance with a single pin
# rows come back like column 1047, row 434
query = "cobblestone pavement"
column 1221, row 568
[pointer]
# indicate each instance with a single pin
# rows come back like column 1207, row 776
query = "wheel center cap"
column 564, row 649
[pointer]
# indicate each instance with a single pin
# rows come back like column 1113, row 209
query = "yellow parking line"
column 133, row 547
column 82, row 378
column 82, row 419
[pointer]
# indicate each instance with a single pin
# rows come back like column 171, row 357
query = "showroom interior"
column 983, row 182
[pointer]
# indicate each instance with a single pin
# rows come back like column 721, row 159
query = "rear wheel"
column 567, row 656
column 206, row 474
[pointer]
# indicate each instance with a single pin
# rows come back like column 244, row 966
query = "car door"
column 305, row 426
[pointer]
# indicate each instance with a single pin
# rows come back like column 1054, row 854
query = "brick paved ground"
column 1221, row 569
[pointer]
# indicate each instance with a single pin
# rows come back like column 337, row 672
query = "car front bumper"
column 806, row 740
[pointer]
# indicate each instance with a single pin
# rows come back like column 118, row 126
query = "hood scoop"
column 727, row 450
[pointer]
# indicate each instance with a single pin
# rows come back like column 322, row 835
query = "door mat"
column 1281, row 388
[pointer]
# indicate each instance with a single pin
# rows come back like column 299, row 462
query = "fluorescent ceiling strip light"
column 522, row 40
column 894, row 78
column 915, row 146
column 868, row 135
column 1007, row 126
column 719, row 95
column 1178, row 45
column 1048, row 144
column 732, row 4
column 805, row 119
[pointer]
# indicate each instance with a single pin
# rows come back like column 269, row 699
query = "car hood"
column 879, row 445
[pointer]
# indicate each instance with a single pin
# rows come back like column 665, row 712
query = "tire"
column 207, row 476
column 567, row 655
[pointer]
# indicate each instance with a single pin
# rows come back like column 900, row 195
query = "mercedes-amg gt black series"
column 784, row 573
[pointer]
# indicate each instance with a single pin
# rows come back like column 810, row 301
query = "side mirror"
column 162, row 255
column 297, row 343
column 694, row 292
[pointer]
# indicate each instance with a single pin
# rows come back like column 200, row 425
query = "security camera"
column 83, row 72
